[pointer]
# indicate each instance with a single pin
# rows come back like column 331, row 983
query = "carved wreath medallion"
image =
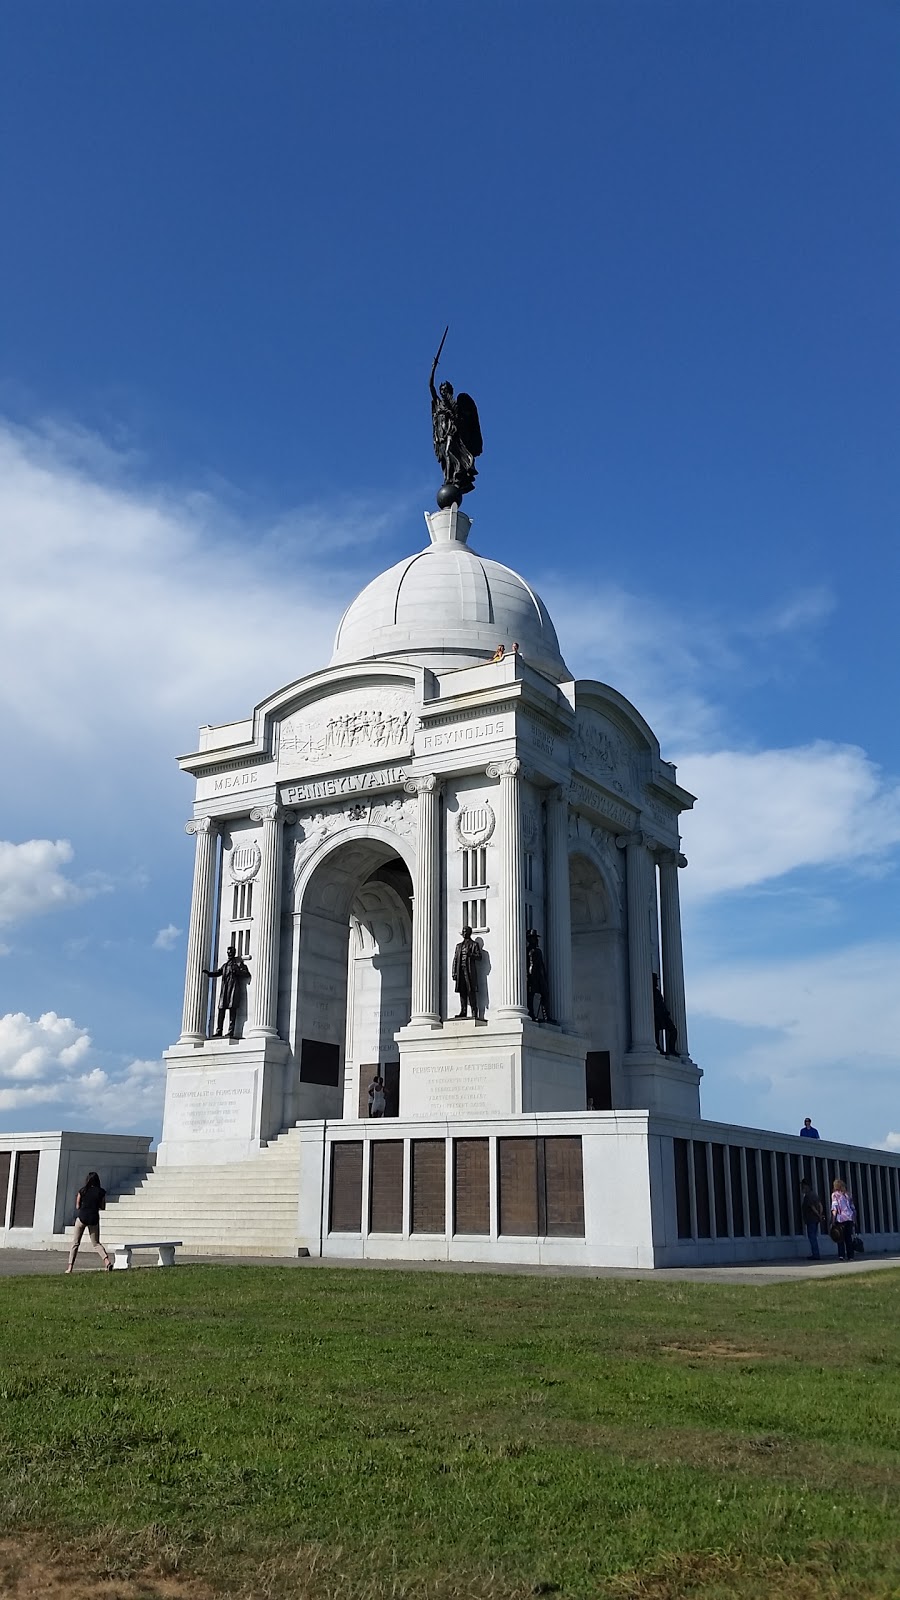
column 246, row 860
column 474, row 825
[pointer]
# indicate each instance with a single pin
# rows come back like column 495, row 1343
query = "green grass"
column 323, row 1432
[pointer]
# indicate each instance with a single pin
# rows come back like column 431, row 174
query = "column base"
column 668, row 1085
column 499, row 1066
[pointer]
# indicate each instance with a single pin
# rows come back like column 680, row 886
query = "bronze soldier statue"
column 465, row 972
column 536, row 978
column 235, row 976
column 664, row 1028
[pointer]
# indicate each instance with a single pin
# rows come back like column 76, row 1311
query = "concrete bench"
column 122, row 1252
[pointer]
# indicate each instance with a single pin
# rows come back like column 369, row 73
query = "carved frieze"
column 358, row 721
column 598, row 748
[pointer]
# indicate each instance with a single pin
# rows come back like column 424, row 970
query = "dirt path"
column 30, row 1571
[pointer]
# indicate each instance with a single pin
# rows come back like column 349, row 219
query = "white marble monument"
column 444, row 771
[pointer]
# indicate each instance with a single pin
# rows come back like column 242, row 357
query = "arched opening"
column 598, row 973
column 351, row 979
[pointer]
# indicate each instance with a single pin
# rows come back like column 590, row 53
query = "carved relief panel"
column 602, row 750
column 344, row 729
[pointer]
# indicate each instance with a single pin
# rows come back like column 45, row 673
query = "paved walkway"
column 17, row 1263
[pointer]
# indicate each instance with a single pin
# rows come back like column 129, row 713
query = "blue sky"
column 666, row 239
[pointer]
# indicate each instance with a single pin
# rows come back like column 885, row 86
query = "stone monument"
column 444, row 771
column 451, row 871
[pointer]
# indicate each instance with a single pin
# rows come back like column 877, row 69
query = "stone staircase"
column 247, row 1208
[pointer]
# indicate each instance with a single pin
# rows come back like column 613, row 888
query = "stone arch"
column 599, row 964
column 596, row 846
column 349, row 969
column 373, row 842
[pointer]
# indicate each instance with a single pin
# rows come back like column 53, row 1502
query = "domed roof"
column 448, row 607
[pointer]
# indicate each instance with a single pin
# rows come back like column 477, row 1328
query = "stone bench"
column 122, row 1252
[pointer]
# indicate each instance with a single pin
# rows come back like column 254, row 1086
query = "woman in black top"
column 89, row 1202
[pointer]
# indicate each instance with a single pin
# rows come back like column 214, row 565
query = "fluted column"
column 196, row 985
column 268, row 925
column 426, row 901
column 672, row 958
column 512, row 952
column 559, row 909
column 640, row 960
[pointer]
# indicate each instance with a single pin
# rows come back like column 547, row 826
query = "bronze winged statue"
column 457, row 437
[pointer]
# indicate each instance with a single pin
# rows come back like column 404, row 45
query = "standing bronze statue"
column 664, row 1027
column 235, row 976
column 457, row 437
column 465, row 972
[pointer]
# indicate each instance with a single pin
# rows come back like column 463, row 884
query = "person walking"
column 813, row 1213
column 89, row 1202
column 843, row 1218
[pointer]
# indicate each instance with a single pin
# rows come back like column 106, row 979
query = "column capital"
column 272, row 813
column 505, row 769
column 199, row 825
column 426, row 783
column 623, row 840
column 559, row 795
column 671, row 858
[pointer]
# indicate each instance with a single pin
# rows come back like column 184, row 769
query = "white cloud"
column 892, row 1142
column 664, row 657
column 765, row 813
column 129, row 1101
column 37, row 1055
column 806, row 1034
column 839, row 1006
column 173, row 609
column 31, row 880
column 48, row 1061
column 167, row 937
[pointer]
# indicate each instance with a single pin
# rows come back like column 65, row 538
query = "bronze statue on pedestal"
column 465, row 973
column 235, row 976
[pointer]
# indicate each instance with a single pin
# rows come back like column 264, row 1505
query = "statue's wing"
column 468, row 424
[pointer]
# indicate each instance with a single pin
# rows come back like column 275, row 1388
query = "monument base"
column 666, row 1086
column 224, row 1099
column 495, row 1068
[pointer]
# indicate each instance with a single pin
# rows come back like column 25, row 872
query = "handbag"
column 836, row 1233
column 859, row 1246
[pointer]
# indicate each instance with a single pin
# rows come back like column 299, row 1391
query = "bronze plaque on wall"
column 471, row 1186
column 345, row 1205
column 429, row 1185
column 386, row 1186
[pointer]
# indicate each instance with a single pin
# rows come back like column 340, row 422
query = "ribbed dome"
column 448, row 607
